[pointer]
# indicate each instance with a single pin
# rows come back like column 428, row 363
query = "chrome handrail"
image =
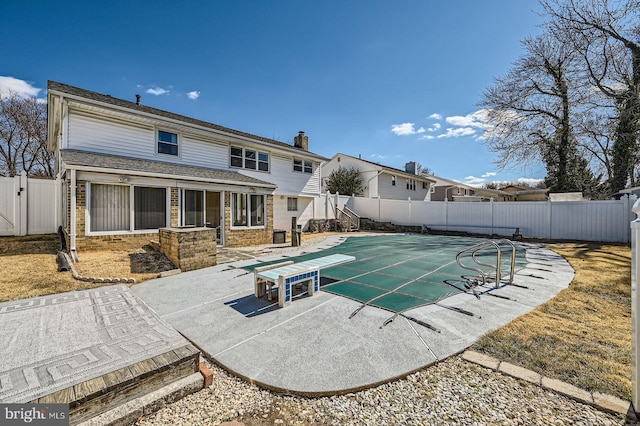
column 498, row 266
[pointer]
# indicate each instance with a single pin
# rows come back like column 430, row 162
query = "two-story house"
column 128, row 169
column 382, row 181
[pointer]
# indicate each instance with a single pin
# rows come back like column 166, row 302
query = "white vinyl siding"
column 128, row 140
column 110, row 137
column 287, row 181
column 403, row 189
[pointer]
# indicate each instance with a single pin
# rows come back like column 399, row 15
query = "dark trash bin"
column 279, row 236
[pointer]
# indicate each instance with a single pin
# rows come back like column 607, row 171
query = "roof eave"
column 164, row 176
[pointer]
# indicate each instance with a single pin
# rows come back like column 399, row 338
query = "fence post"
column 491, row 200
column 635, row 305
column 550, row 216
column 326, row 206
column 446, row 214
column 409, row 208
column 379, row 207
column 23, row 203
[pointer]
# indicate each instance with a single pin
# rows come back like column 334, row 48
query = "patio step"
column 91, row 399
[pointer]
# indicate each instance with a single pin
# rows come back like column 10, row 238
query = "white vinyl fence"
column 324, row 205
column 28, row 206
column 605, row 221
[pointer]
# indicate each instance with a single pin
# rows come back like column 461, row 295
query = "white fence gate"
column 28, row 205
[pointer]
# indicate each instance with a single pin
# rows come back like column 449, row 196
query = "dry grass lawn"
column 583, row 335
column 29, row 267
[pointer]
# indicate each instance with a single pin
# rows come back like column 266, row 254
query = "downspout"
column 72, row 235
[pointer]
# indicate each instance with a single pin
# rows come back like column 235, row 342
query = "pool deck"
column 92, row 349
column 311, row 347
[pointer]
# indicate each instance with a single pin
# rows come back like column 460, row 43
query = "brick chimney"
column 301, row 141
column 411, row 167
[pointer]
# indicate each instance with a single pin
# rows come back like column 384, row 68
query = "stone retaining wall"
column 189, row 248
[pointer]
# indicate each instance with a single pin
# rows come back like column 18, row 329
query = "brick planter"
column 189, row 248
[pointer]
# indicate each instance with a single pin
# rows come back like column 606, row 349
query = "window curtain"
column 239, row 203
column 109, row 208
column 257, row 210
column 150, row 207
column 193, row 208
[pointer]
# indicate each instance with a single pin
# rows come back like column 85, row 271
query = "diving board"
column 285, row 275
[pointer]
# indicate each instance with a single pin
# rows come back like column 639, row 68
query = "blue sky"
column 392, row 81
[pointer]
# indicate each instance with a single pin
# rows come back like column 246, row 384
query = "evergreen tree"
column 345, row 181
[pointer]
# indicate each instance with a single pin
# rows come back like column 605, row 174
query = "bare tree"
column 531, row 111
column 23, row 137
column 607, row 36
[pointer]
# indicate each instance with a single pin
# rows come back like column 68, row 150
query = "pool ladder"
column 496, row 269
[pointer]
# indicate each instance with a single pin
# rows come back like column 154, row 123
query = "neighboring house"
column 445, row 189
column 526, row 194
column 128, row 169
column 382, row 181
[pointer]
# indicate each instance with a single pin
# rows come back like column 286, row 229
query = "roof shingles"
column 108, row 99
column 133, row 165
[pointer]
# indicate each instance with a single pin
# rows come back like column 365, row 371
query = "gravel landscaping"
column 452, row 392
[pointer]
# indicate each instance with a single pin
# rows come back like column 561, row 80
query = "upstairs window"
column 263, row 161
column 249, row 159
column 308, row 167
column 167, row 143
column 302, row 166
column 393, row 181
column 411, row 184
column 236, row 157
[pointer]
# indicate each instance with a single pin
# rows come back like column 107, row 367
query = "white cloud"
column 435, row 116
column 157, row 91
column 193, row 95
column 436, row 126
column 406, row 129
column 476, row 119
column 428, row 137
column 489, row 174
column 456, row 133
column 473, row 181
column 21, row 88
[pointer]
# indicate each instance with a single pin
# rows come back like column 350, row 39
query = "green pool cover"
column 402, row 272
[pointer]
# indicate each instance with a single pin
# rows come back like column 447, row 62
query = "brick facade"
column 247, row 237
column 233, row 238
